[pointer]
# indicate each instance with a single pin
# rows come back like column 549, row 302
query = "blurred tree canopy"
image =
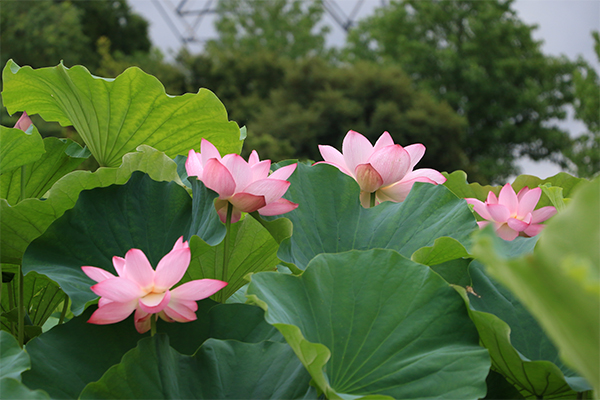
column 290, row 107
column 585, row 153
column 285, row 27
column 104, row 36
column 42, row 33
column 480, row 58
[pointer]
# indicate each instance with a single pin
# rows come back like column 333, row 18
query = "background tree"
column 42, row 33
column 104, row 36
column 480, row 58
column 585, row 153
column 114, row 19
column 290, row 107
column 288, row 28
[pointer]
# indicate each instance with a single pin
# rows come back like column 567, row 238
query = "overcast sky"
column 564, row 26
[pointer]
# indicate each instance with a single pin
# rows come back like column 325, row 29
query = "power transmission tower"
column 185, row 17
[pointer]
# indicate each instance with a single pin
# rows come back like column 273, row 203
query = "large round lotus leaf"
column 13, row 359
column 61, row 157
column 205, row 221
column 22, row 223
column 107, row 222
column 218, row 370
column 68, row 357
column 115, row 116
column 519, row 347
column 330, row 219
column 251, row 249
column 11, row 388
column 375, row 323
column 19, row 148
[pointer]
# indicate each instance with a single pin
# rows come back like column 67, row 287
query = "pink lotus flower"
column 245, row 185
column 386, row 168
column 513, row 214
column 24, row 122
column 138, row 287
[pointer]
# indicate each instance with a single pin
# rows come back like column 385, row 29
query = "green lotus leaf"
column 68, row 357
column 280, row 228
column 449, row 258
column 499, row 388
column 330, row 219
column 44, row 172
column 444, row 249
column 518, row 346
column 251, row 249
column 457, row 183
column 205, row 221
column 13, row 389
column 568, row 183
column 218, row 370
column 108, row 222
column 115, row 116
column 13, row 359
column 373, row 324
column 19, row 148
column 41, row 297
column 27, row 220
column 560, row 283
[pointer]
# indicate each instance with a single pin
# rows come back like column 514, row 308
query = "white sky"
column 564, row 26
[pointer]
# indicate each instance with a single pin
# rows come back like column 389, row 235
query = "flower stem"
column 153, row 318
column 64, row 310
column 373, row 197
column 11, row 303
column 226, row 247
column 21, row 310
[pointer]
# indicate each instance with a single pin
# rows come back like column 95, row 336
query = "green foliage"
column 113, row 20
column 218, row 370
column 480, row 58
column 292, row 107
column 43, row 33
column 152, row 62
column 284, row 27
column 330, row 219
column 585, row 153
column 560, row 283
column 41, row 298
column 251, row 249
column 519, row 348
column 19, row 148
column 28, row 219
column 366, row 324
column 61, row 157
column 71, row 347
column 114, row 116
column 14, row 359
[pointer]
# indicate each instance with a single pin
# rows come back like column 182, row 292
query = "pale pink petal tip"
column 97, row 274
